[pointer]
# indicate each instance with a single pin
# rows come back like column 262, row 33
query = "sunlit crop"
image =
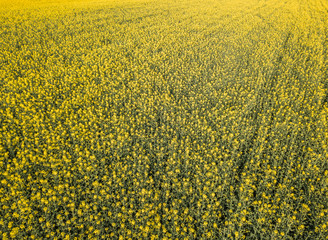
column 163, row 119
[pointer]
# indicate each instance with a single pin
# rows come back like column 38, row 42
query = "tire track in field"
column 254, row 112
column 262, row 100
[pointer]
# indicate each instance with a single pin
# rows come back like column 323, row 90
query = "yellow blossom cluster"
column 153, row 119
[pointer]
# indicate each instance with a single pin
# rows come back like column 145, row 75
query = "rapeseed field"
column 153, row 119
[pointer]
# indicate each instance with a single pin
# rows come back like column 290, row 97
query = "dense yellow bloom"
column 153, row 119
